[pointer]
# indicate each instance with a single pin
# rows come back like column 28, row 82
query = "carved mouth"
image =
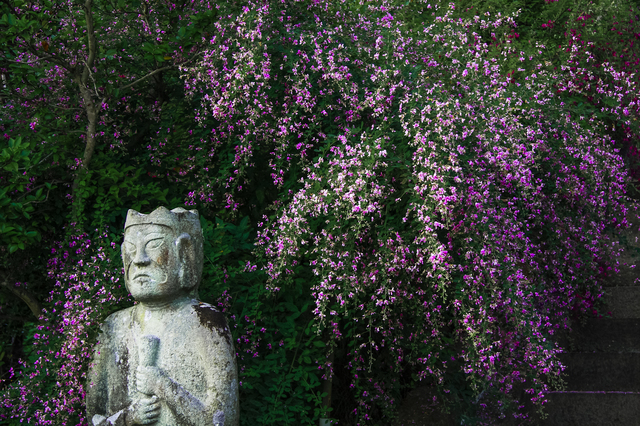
column 140, row 276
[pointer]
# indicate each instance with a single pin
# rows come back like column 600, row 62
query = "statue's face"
column 151, row 264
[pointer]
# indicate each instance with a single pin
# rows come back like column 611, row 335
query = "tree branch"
column 45, row 57
column 67, row 109
column 92, row 41
column 89, row 104
column 35, row 60
column 38, row 163
column 53, row 182
column 147, row 76
column 158, row 70
column 38, row 202
column 26, row 296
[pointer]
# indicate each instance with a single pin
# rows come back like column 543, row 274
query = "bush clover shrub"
column 431, row 196
column 405, row 193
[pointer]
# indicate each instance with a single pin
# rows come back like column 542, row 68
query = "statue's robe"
column 195, row 351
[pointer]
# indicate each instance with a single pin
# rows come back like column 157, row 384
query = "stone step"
column 613, row 408
column 612, row 335
column 623, row 301
column 591, row 409
column 629, row 275
column 601, row 371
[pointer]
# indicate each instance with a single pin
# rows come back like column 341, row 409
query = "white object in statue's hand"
column 146, row 410
column 148, row 356
column 148, row 350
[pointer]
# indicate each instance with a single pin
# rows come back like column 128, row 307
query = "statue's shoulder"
column 211, row 318
column 118, row 319
column 207, row 314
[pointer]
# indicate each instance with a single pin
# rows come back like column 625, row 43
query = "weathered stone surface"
column 601, row 371
column 611, row 335
column 169, row 360
column 623, row 302
column 589, row 409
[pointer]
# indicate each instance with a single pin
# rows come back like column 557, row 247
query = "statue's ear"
column 126, row 265
column 186, row 260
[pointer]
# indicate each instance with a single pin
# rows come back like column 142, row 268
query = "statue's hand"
column 149, row 380
column 144, row 411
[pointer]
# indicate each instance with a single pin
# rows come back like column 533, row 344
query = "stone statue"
column 169, row 359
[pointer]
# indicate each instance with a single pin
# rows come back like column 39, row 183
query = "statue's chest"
column 178, row 352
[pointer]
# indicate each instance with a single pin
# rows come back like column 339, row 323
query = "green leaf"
column 12, row 248
column 291, row 307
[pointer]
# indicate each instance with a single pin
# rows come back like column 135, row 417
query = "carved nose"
column 141, row 257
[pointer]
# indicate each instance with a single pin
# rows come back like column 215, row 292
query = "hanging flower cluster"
column 452, row 217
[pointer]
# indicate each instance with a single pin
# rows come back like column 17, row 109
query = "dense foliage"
column 392, row 193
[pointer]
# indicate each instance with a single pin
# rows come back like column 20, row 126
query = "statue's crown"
column 178, row 219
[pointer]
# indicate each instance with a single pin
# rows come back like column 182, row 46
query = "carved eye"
column 130, row 247
column 154, row 244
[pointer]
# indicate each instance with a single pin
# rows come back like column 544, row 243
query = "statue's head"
column 162, row 254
